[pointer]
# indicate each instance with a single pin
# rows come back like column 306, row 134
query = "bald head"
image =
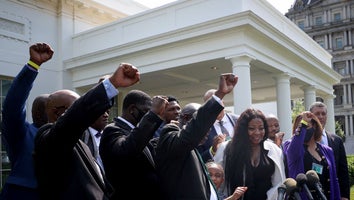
column 208, row 94
column 187, row 113
column 39, row 115
column 58, row 102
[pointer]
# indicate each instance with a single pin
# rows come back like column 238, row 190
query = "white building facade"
column 180, row 49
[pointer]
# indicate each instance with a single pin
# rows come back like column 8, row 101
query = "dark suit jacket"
column 182, row 174
column 336, row 143
column 128, row 161
column 204, row 148
column 64, row 166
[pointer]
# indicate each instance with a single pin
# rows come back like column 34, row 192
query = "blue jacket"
column 18, row 134
column 294, row 152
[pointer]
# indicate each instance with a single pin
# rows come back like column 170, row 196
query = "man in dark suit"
column 180, row 167
column 127, row 155
column 222, row 130
column 92, row 136
column 336, row 143
column 64, row 166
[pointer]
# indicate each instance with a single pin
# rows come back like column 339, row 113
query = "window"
column 339, row 43
column 340, row 69
column 321, row 43
column 4, row 159
column 301, row 24
column 338, row 92
column 337, row 17
column 318, row 21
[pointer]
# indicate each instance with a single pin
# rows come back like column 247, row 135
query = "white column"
column 330, row 40
column 351, row 67
column 350, row 94
column 350, row 126
column 345, row 38
column 325, row 18
column 310, row 95
column 326, row 42
column 284, row 104
column 330, row 124
column 350, row 37
column 242, row 91
column 344, row 10
column 346, row 124
column 345, row 96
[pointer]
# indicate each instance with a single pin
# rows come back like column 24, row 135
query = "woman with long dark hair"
column 250, row 160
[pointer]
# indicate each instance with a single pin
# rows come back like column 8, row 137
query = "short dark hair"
column 136, row 97
column 172, row 98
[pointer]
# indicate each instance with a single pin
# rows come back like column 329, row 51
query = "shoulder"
column 326, row 148
column 233, row 116
column 168, row 128
column 335, row 138
column 269, row 145
column 42, row 132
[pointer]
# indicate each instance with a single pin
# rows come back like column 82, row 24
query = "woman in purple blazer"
column 304, row 153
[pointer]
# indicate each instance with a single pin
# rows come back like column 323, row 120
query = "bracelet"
column 32, row 64
column 211, row 151
column 304, row 122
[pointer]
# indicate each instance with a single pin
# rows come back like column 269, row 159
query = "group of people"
column 155, row 149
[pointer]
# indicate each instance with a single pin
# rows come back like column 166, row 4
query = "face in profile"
column 273, row 127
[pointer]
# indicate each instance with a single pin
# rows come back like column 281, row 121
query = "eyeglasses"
column 60, row 107
column 216, row 175
column 59, row 110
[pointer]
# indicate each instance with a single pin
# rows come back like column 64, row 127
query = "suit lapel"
column 146, row 150
column 329, row 139
column 95, row 171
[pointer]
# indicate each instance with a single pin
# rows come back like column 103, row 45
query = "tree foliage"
column 298, row 107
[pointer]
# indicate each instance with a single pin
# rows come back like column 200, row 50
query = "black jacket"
column 128, row 158
column 336, row 143
column 64, row 165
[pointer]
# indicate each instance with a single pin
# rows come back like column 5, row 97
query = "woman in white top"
column 250, row 160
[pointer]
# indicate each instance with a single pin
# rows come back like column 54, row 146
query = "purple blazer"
column 294, row 152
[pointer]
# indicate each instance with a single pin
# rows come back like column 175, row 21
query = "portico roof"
column 181, row 49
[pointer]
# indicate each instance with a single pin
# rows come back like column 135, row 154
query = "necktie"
column 223, row 129
column 98, row 134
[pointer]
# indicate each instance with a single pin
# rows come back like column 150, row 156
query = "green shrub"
column 350, row 159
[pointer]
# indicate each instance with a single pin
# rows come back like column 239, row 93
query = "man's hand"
column 125, row 75
column 159, row 104
column 307, row 116
column 239, row 191
column 279, row 138
column 217, row 140
column 227, row 83
column 40, row 53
